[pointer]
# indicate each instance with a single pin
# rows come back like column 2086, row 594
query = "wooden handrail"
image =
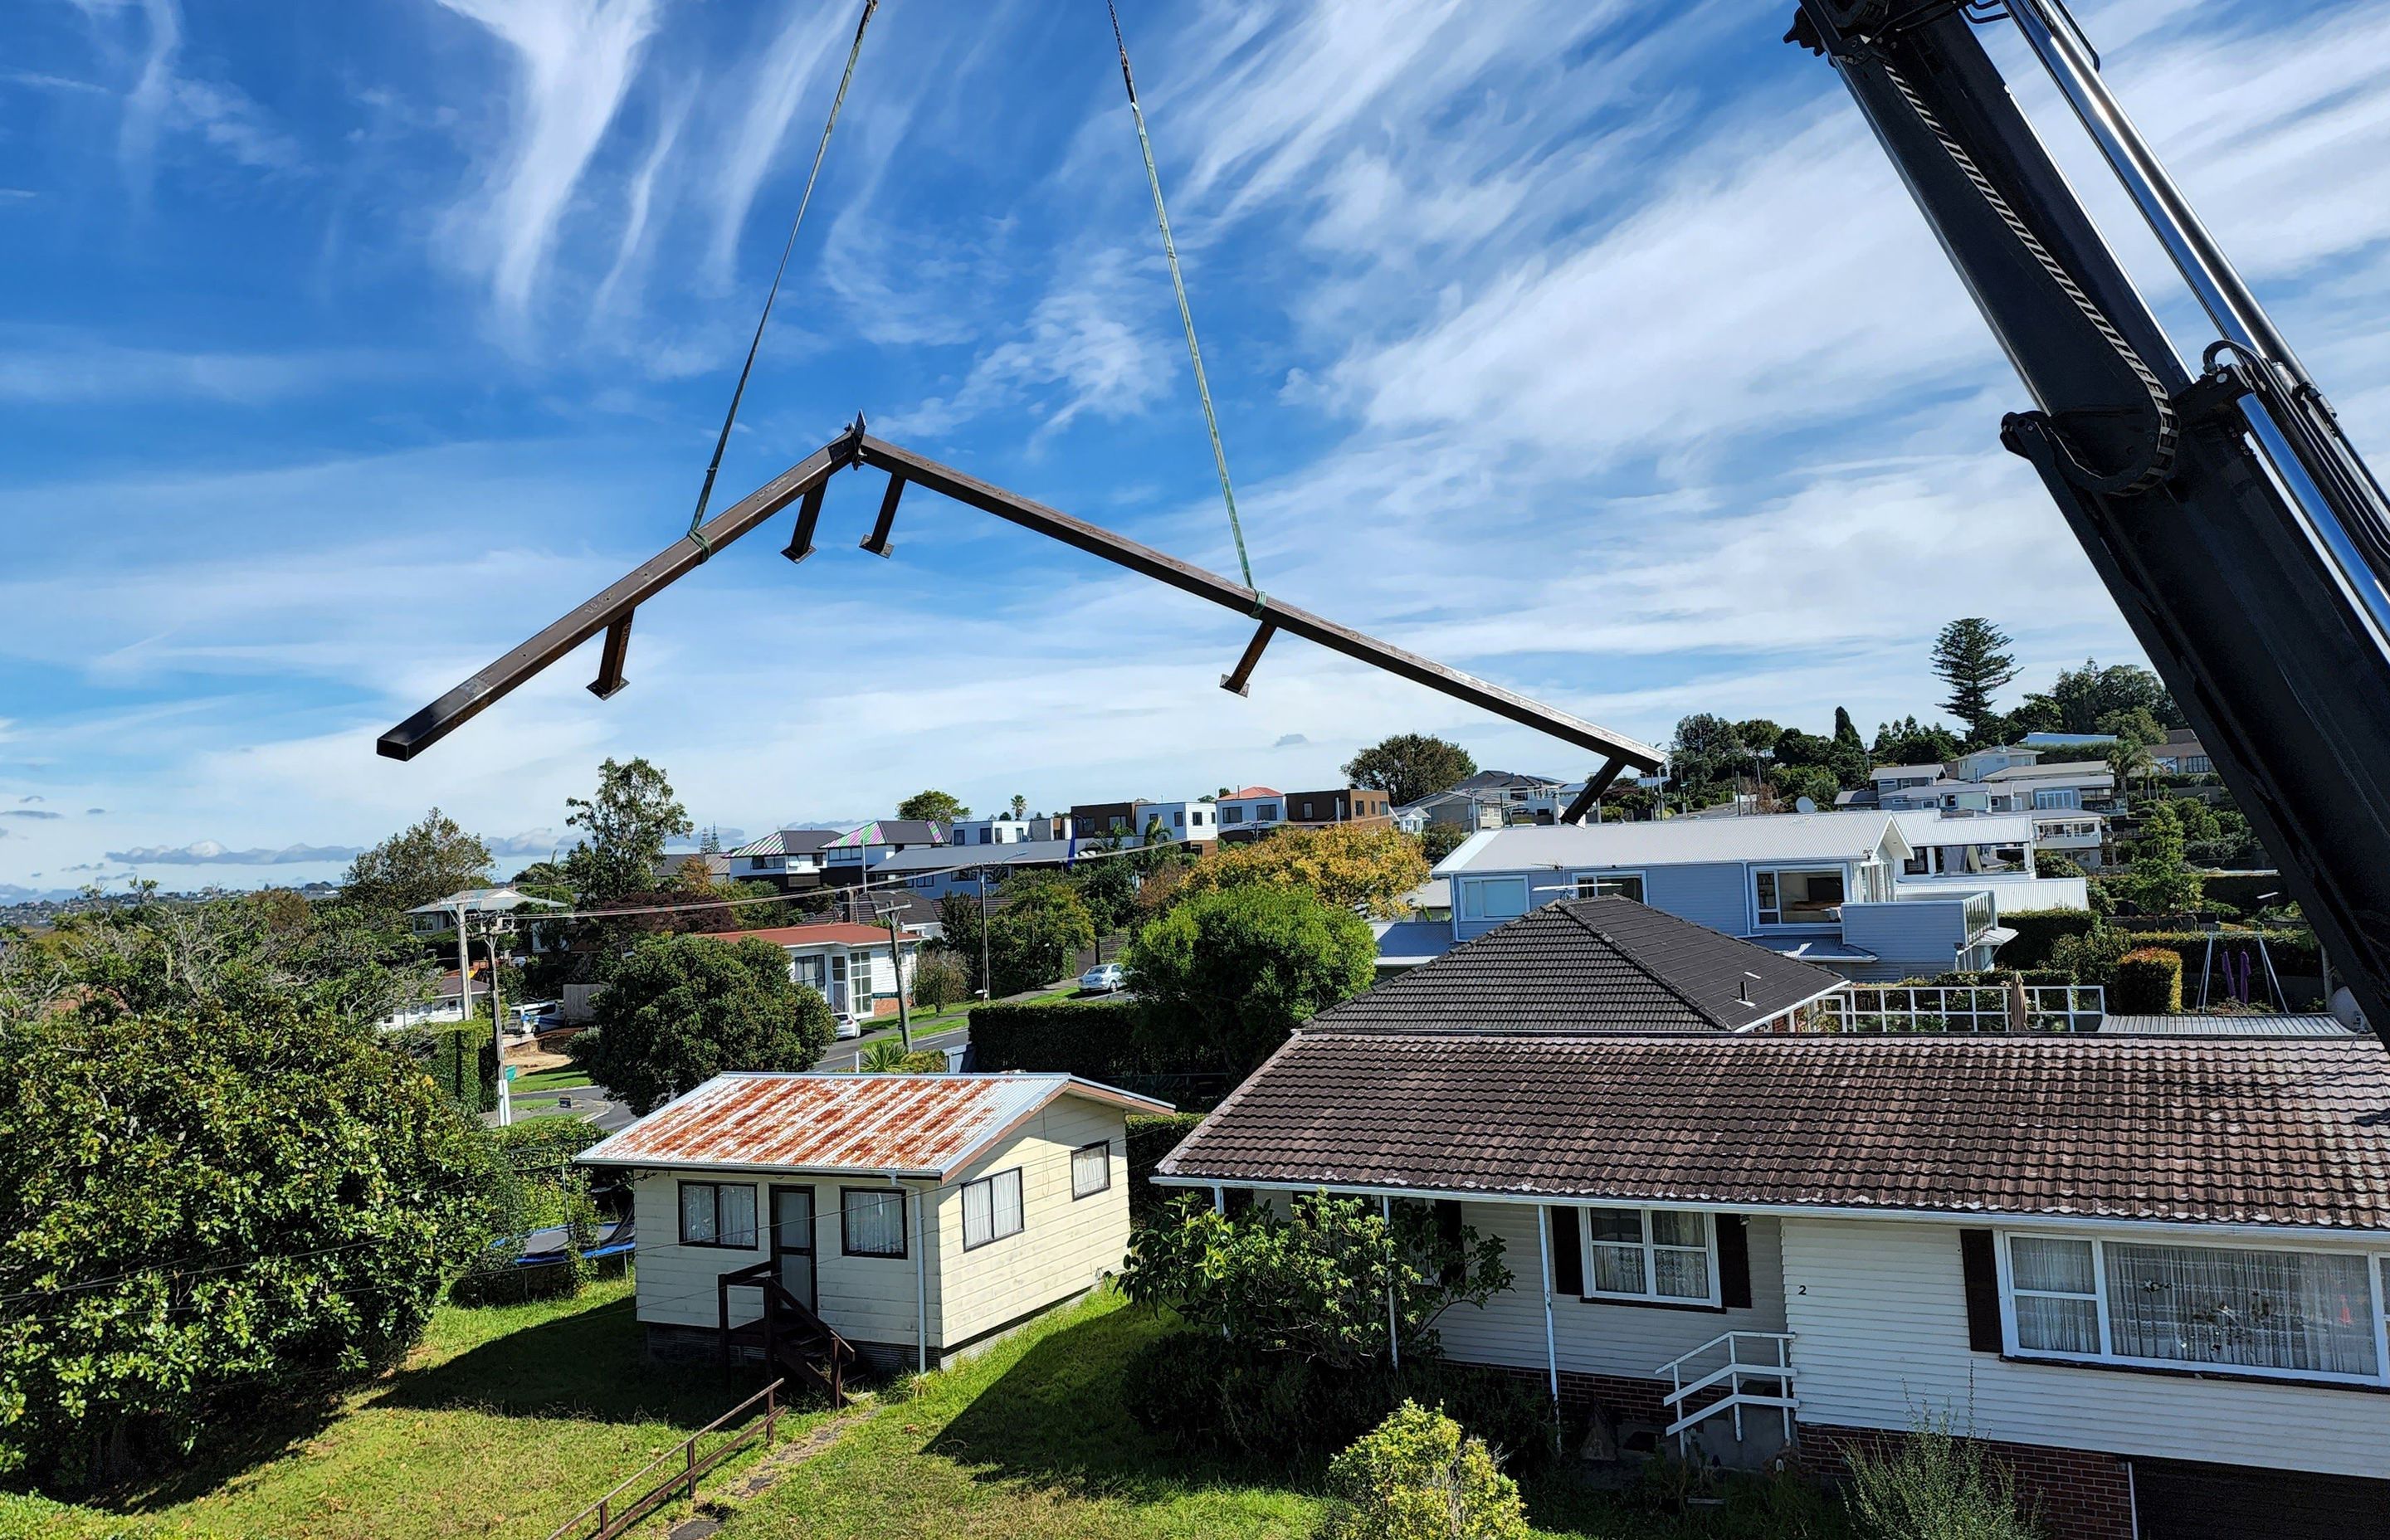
column 612, row 1521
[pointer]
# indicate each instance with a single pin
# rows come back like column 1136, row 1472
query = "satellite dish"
column 1804, row 804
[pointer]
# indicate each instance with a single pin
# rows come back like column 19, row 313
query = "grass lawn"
column 507, row 1421
column 565, row 1078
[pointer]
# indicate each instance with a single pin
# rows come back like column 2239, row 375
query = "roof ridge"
column 1569, row 907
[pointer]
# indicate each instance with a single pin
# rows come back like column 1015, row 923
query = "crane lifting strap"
column 713, row 468
column 1186, row 313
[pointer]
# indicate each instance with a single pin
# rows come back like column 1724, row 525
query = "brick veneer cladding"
column 2081, row 1496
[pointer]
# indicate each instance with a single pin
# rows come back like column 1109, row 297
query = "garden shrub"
column 462, row 1059
column 2149, row 983
column 2039, row 930
column 1933, row 1484
column 1418, row 1477
column 1095, row 1040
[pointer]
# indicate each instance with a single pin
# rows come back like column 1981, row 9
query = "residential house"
column 1249, row 812
column 717, row 865
column 2149, row 1274
column 2065, row 786
column 1819, row 886
column 1455, row 808
column 937, row 871
column 1994, row 850
column 1104, row 820
column 919, row 1217
column 789, row 859
column 1183, row 823
column 1980, row 765
column 2181, row 755
column 998, row 831
column 1348, row 804
column 850, row 857
column 446, row 1004
column 847, row 964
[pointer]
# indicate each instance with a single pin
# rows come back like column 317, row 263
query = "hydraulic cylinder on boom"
column 2242, row 535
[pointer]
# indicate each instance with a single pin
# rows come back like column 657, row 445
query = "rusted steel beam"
column 609, row 678
column 493, row 683
column 1597, row 783
column 877, row 540
column 1194, row 580
column 801, row 540
column 806, row 480
column 1237, row 679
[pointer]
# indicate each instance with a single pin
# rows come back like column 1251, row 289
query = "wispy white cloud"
column 573, row 60
column 209, row 853
column 782, row 78
column 163, row 100
column 51, row 366
column 639, row 200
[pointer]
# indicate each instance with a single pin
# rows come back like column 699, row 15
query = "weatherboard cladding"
column 2255, row 1131
column 1588, row 965
column 917, row 1125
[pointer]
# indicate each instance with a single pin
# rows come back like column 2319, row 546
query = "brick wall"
column 1626, row 1398
column 2081, row 1494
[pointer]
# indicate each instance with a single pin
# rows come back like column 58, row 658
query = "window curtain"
column 735, row 1214
column 697, row 1213
column 1007, row 1194
column 2300, row 1311
column 2057, row 1307
column 874, row 1223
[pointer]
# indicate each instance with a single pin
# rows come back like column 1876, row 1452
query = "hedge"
column 2037, row 930
column 2149, row 983
column 1151, row 1136
column 462, row 1060
column 1095, row 1039
column 545, row 1143
column 2293, row 951
column 2242, row 889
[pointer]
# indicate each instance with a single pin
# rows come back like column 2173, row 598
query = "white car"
column 1102, row 979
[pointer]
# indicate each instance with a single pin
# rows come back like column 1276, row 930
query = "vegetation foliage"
column 1349, row 866
column 678, row 1010
column 625, row 827
column 1410, row 765
column 1226, row 975
column 1417, row 1476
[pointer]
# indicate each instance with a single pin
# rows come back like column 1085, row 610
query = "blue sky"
column 1592, row 347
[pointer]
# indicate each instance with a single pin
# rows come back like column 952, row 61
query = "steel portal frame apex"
column 611, row 609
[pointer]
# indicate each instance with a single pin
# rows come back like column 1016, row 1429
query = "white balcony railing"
column 1958, row 1008
column 1744, row 1368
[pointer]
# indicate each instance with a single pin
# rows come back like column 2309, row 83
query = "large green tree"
column 1410, row 765
column 1036, row 937
column 678, row 1010
column 209, row 1215
column 2160, row 880
column 2081, row 697
column 1907, row 742
column 937, row 806
column 1225, row 976
column 1349, row 866
column 430, row 858
column 624, row 828
column 1703, row 755
column 1972, row 658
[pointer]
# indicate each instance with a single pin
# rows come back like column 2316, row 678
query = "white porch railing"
column 1742, row 1378
column 1958, row 1008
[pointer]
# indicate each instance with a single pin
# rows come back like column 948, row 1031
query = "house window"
column 1494, row 898
column 1232, row 815
column 1091, row 1169
column 1610, row 885
column 871, row 1222
column 992, row 1208
column 2060, row 796
column 1266, row 814
column 1800, row 895
column 1651, row 1254
column 2257, row 1311
column 718, row 1214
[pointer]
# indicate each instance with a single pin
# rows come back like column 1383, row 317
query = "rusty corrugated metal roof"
column 926, row 1125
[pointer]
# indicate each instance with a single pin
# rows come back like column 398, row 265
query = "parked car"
column 1102, row 979
column 848, row 1026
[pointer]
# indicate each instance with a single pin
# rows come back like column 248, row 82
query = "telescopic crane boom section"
column 2243, row 536
column 610, row 610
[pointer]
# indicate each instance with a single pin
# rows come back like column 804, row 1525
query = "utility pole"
column 498, row 1024
column 464, row 967
column 896, row 960
column 986, row 982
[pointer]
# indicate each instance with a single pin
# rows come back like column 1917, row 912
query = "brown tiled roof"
column 2259, row 1131
column 1590, row 964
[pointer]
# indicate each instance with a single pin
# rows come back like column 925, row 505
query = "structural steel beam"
column 610, row 610
column 1595, row 784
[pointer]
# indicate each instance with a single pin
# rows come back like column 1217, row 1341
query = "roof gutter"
column 1799, row 1211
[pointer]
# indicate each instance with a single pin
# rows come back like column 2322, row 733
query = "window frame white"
column 1473, row 892
column 1716, row 1299
column 1775, row 874
column 1592, row 880
column 2377, row 1274
column 1101, row 1149
column 989, row 1185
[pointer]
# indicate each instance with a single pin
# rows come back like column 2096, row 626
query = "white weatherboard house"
column 1823, row 887
column 910, row 1217
column 2150, row 1274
